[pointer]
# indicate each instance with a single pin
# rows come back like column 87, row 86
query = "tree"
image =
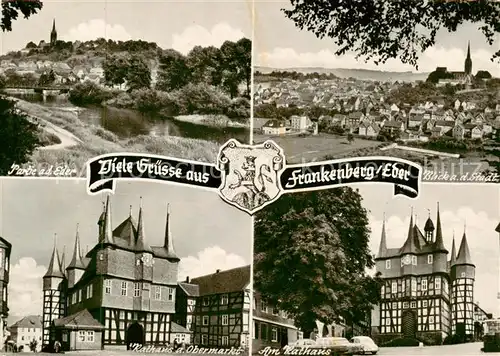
column 31, row 45
column 139, row 74
column 380, row 30
column 174, row 72
column 350, row 137
column 18, row 136
column 131, row 69
column 33, row 345
column 236, row 65
column 12, row 8
column 311, row 253
column 205, row 65
column 483, row 74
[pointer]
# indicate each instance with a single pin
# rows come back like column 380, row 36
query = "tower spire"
column 107, row 232
column 410, row 246
column 453, row 251
column 54, row 269
column 463, row 257
column 468, row 61
column 141, row 243
column 382, row 250
column 439, row 244
column 169, row 241
column 76, row 260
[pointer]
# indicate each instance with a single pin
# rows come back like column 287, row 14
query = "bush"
column 201, row 99
column 88, row 93
column 239, row 109
column 402, row 342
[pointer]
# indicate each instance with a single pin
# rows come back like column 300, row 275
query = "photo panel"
column 319, row 95
column 154, row 77
column 357, row 270
column 152, row 265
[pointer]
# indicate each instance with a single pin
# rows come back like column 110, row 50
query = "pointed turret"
column 429, row 229
column 53, row 33
column 106, row 230
column 76, row 260
column 169, row 240
column 141, row 244
column 463, row 257
column 63, row 259
column 439, row 244
column 382, row 250
column 453, row 252
column 54, row 269
column 410, row 245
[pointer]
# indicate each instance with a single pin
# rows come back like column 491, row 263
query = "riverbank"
column 212, row 121
column 93, row 140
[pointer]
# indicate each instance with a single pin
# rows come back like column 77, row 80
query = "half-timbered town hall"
column 121, row 292
column 428, row 293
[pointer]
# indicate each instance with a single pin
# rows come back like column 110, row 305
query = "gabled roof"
column 30, row 321
column 233, row 280
column 176, row 328
column 190, row 289
column 81, row 320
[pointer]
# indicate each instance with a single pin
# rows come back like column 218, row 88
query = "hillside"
column 361, row 74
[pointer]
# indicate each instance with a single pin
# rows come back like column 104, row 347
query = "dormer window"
column 388, row 264
column 414, row 260
column 430, row 259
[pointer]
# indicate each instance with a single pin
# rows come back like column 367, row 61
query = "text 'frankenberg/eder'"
column 346, row 172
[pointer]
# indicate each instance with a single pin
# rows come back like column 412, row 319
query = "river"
column 127, row 123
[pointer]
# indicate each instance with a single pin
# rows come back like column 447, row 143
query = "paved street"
column 445, row 350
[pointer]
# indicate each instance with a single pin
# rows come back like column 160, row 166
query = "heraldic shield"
column 250, row 174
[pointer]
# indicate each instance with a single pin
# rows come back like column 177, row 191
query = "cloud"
column 436, row 56
column 97, row 28
column 25, row 288
column 197, row 35
column 481, row 237
column 208, row 261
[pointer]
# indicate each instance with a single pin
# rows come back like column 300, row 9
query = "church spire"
column 53, row 34
column 54, row 269
column 382, row 250
column 76, row 260
column 169, row 241
column 141, row 243
column 468, row 61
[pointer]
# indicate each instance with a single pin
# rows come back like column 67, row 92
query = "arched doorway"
column 134, row 335
column 409, row 324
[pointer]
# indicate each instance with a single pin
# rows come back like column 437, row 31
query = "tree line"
column 294, row 75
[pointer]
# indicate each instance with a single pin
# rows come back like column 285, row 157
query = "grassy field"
column 97, row 141
column 315, row 148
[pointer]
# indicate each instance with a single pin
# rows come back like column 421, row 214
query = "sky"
column 171, row 24
column 208, row 233
column 473, row 207
column 279, row 44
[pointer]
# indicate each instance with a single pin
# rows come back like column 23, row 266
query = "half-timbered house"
column 216, row 308
column 425, row 295
column 5, row 250
column 123, row 283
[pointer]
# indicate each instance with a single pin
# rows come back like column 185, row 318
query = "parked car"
column 303, row 343
column 367, row 344
column 338, row 345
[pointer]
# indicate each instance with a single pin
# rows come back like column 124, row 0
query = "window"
column 171, row 292
column 7, row 263
column 394, row 305
column 81, row 335
column 224, row 299
column 394, row 287
column 80, row 295
column 108, row 286
column 462, row 275
column 424, row 303
column 437, row 283
column 388, row 264
column 263, row 306
column 274, row 335
column 424, row 284
column 225, row 340
column 275, row 311
column 430, row 259
column 157, row 292
column 413, row 285
column 431, row 319
column 204, row 339
column 124, row 288
column 413, row 304
column 90, row 336
column 206, row 302
column 90, row 291
column 137, row 289
column 4, row 294
column 73, row 298
column 225, row 320
column 254, row 303
column 406, row 305
column 205, row 319
column 414, row 260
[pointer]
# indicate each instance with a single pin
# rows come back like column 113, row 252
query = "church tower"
column 53, row 294
column 53, row 34
column 468, row 61
column 462, row 292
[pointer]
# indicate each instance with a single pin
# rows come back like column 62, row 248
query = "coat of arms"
column 250, row 174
